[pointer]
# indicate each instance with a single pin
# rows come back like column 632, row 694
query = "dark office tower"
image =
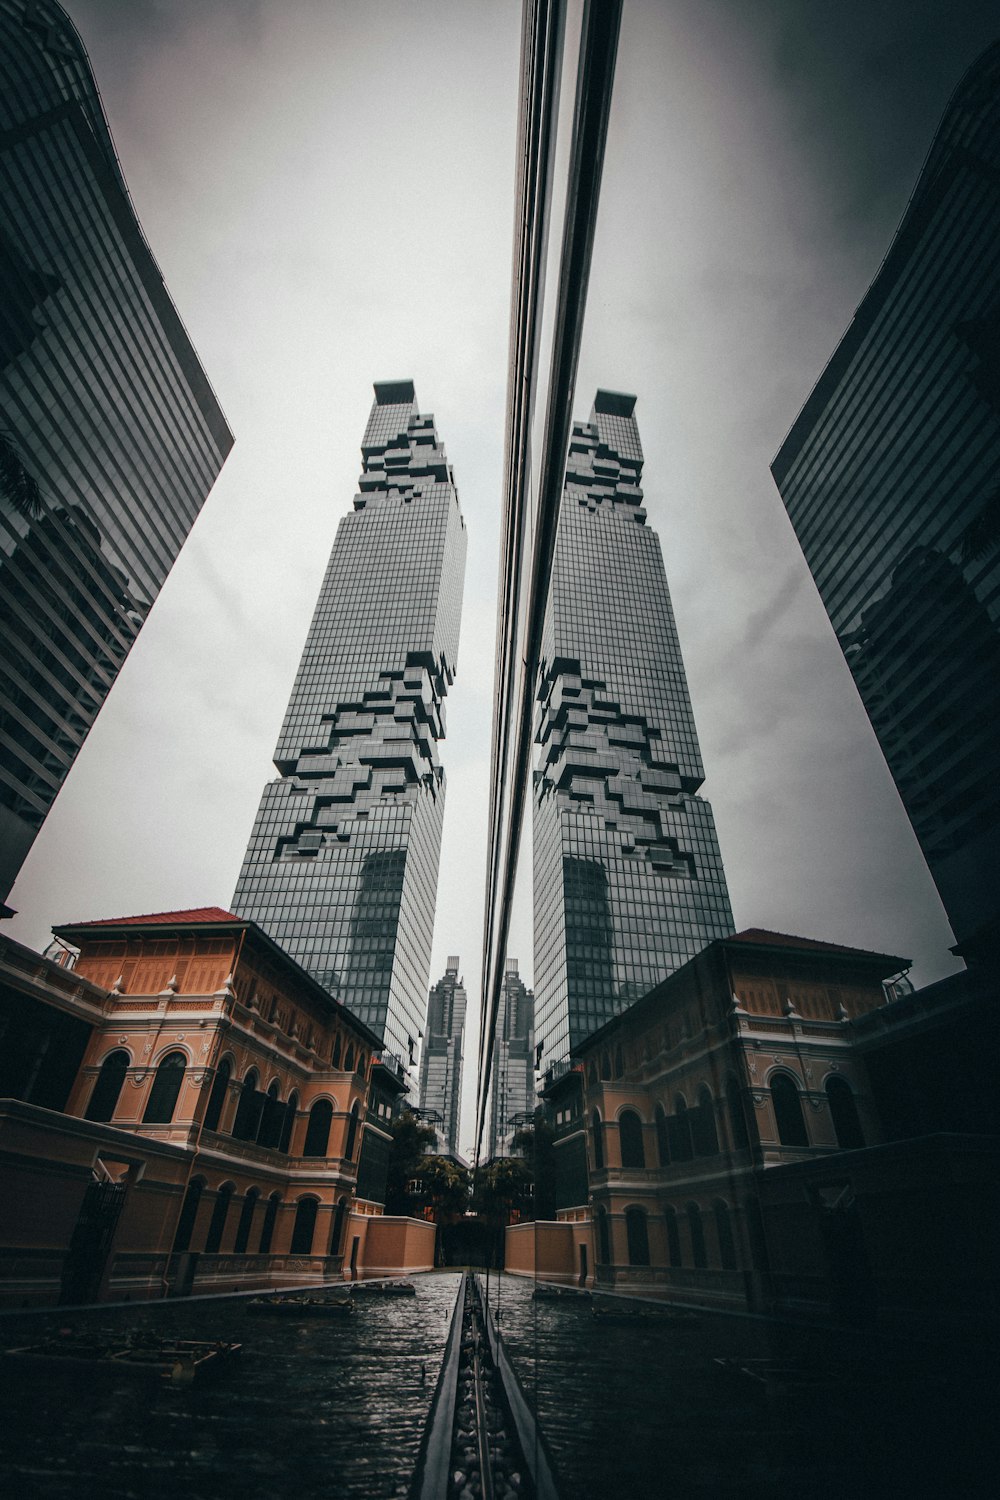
column 627, row 872
column 342, row 865
column 110, row 436
column 441, row 1057
column 512, row 1084
column 891, row 478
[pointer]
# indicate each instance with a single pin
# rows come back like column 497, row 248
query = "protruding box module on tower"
column 342, row 864
column 628, row 877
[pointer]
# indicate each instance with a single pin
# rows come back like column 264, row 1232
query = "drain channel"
column 481, row 1441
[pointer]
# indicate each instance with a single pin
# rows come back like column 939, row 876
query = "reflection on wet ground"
column 647, row 1407
column 325, row 1407
column 725, row 1406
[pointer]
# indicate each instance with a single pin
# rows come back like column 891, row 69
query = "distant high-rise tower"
column 512, row 1081
column 110, row 436
column 628, row 878
column 891, row 478
column 441, row 1057
column 342, row 865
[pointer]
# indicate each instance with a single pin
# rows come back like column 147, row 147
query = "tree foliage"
column 411, row 1139
column 417, row 1179
column 18, row 488
column 502, row 1187
column 444, row 1187
column 981, row 537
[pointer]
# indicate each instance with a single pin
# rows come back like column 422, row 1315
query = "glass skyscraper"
column 342, row 864
column 891, row 478
column 512, row 1084
column 441, row 1057
column 628, row 878
column 110, row 436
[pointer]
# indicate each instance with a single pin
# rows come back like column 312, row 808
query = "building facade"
column 187, row 1110
column 741, row 1061
column 441, row 1058
column 110, row 436
column 628, row 878
column 512, row 1084
column 767, row 1130
column 890, row 479
column 342, row 864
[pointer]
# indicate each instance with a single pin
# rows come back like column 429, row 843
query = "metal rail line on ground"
column 481, row 1441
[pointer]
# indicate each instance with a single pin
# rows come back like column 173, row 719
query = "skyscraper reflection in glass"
column 342, row 865
column 441, row 1057
column 628, row 878
column 512, row 1083
column 891, row 478
column 110, row 436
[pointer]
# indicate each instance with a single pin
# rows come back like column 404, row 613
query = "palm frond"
column 981, row 538
column 18, row 488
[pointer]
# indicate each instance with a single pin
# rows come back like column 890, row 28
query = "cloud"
column 763, row 620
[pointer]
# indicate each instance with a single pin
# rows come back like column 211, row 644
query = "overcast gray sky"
column 328, row 188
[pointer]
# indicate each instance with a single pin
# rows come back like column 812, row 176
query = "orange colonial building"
column 720, row 1143
column 225, row 1122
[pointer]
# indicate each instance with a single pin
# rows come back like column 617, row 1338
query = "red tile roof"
column 217, row 916
column 768, row 939
column 195, row 917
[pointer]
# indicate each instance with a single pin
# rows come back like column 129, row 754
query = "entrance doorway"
column 90, row 1246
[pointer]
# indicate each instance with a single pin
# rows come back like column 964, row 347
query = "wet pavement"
column 650, row 1408
column 643, row 1407
column 313, row 1407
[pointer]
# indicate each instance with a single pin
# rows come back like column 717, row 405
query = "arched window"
column 788, row 1111
column 844, row 1111
column 349, row 1059
column 724, row 1235
column 244, row 1126
column 104, row 1099
column 705, row 1137
column 360, row 1069
column 737, row 1119
column 339, row 1221
column 217, row 1098
column 352, row 1132
column 217, row 1223
column 697, row 1232
column 166, row 1087
column 679, row 1131
column 269, row 1129
column 605, row 1065
column 603, row 1237
column 188, row 1214
column 243, row 1228
column 673, row 1238
column 305, row 1226
column 662, row 1143
column 267, row 1228
column 288, row 1123
column 598, row 1141
column 619, row 1061
column 318, row 1130
column 637, row 1236
column 335, row 1055
column 592, row 1071
column 630, row 1136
